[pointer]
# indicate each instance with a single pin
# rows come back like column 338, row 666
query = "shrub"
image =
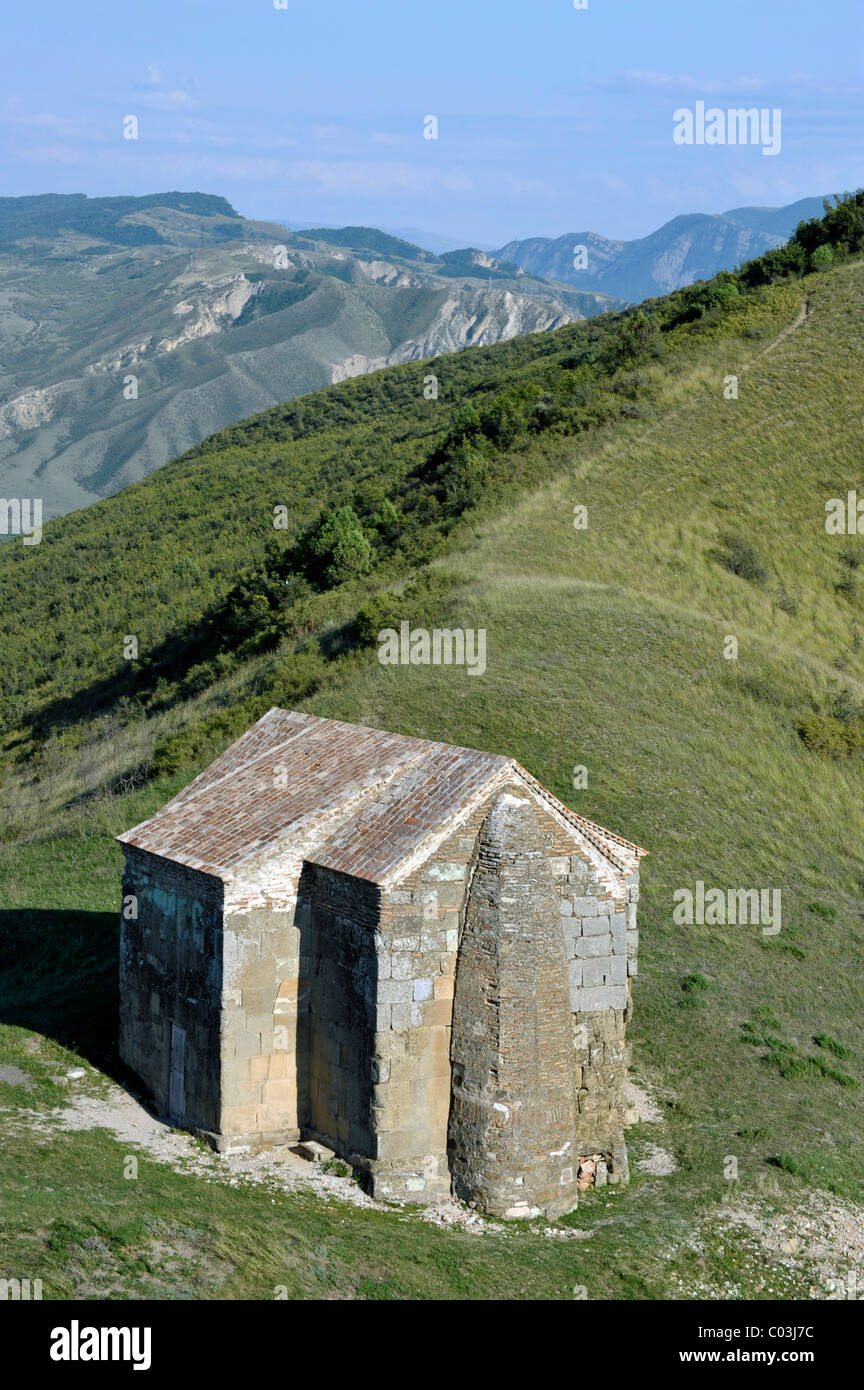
column 764, row 1017
column 845, row 707
column 294, row 678
column 428, row 601
column 789, row 1164
column 788, row 948
column 832, row 1045
column 382, row 611
column 830, row 737
column 828, row 914
column 201, row 741
column 465, row 475
column 799, row 1068
column 777, row 264
column 343, row 547
column 822, row 258
column 503, row 421
column 695, row 983
column 758, row 1029
column 759, row 688
column 786, row 602
column 337, row 1167
column 741, row 558
column 726, row 295
column 793, row 1068
column 388, row 522
column 636, row 338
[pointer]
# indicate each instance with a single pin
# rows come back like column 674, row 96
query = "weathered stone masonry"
column 171, row 973
column 514, row 1107
column 414, row 954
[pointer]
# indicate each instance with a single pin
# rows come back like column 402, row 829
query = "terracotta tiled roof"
column 292, row 774
column 623, row 853
column 406, row 812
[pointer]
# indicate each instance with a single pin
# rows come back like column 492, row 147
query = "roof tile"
column 292, row 772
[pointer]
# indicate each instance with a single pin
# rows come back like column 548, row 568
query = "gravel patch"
column 822, row 1240
column 640, row 1105
column 14, row 1076
column 659, row 1163
column 133, row 1124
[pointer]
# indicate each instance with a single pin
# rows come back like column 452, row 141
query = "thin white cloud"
column 158, row 96
column 389, row 138
column 638, row 77
column 66, row 127
column 175, row 100
column 369, row 177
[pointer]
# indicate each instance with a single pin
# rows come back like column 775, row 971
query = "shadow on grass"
column 59, row 976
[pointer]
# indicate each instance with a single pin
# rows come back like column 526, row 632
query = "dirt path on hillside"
column 133, row 1124
column 648, row 596
column 789, row 329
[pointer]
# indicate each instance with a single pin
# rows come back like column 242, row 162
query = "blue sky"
column 551, row 119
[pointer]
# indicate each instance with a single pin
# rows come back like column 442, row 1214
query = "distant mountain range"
column 691, row 247
column 133, row 328
column 418, row 236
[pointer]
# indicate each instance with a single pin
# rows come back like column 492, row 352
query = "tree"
column 343, row 547
column 388, row 522
column 822, row 258
column 636, row 338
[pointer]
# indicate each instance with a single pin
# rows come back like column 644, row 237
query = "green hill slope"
column 607, row 649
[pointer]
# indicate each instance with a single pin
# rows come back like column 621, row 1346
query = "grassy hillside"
column 705, row 521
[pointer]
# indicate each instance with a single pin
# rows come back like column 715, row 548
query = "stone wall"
column 298, row 1019
column 259, row 1033
column 171, row 972
column 512, row 1121
column 338, row 924
column 422, row 920
column 417, row 946
column 601, row 942
column 317, row 1005
column 271, row 960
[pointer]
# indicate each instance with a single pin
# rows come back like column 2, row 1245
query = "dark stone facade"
column 171, row 979
column 338, row 917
